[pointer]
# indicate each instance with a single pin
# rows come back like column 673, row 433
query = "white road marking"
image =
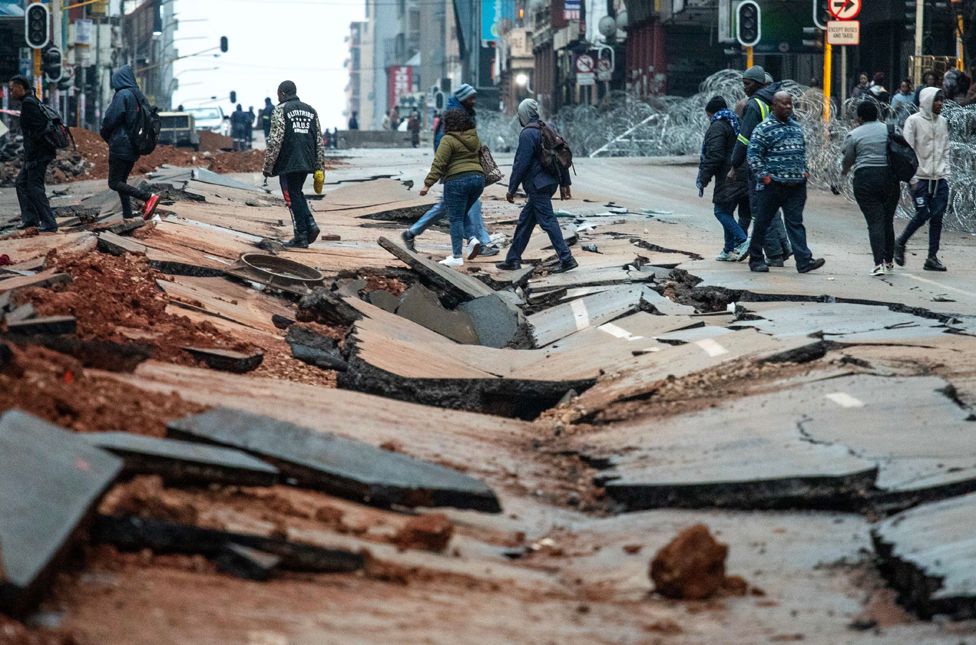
column 845, row 400
column 580, row 313
column 710, row 347
column 939, row 284
column 618, row 332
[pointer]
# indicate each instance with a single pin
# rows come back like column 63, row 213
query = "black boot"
column 297, row 242
column 568, row 265
column 900, row 253
column 313, row 232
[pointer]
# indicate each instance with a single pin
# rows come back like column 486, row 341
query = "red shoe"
column 150, row 206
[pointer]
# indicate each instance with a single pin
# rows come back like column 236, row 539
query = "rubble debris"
column 323, row 306
column 338, row 465
column 227, row 360
column 109, row 242
column 928, row 554
column 453, row 287
column 281, row 322
column 497, row 322
column 49, row 279
column 430, row 532
column 691, row 566
column 245, row 562
column 46, row 325
column 315, row 349
column 184, row 461
column 21, row 313
column 136, row 533
column 384, row 300
column 560, row 321
column 116, row 224
column 51, row 480
column 146, row 496
column 421, row 305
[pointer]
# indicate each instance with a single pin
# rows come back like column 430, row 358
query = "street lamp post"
column 523, row 80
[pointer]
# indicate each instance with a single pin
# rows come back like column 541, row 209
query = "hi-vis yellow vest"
column 763, row 113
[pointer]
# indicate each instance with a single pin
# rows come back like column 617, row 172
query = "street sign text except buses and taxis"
column 844, row 32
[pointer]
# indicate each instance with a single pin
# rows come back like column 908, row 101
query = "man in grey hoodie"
column 927, row 132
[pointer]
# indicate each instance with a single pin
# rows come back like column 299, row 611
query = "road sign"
column 844, row 9
column 604, row 69
column 844, row 32
column 585, row 64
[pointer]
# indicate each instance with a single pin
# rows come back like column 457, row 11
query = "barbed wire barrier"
column 624, row 126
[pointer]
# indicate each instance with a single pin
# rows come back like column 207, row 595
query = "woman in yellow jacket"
column 458, row 164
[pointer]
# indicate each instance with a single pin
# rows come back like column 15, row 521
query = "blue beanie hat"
column 464, row 92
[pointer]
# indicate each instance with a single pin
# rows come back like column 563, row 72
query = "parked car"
column 178, row 129
column 210, row 118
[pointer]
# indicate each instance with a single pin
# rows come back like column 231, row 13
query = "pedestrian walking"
column 238, row 127
column 35, row 210
column 539, row 182
column 777, row 157
column 249, row 130
column 876, row 188
column 928, row 134
column 478, row 239
column 716, row 153
column 860, row 89
column 759, row 88
column 295, row 150
column 335, row 138
column 266, row 112
column 354, row 121
column 121, row 119
column 413, row 126
column 458, row 164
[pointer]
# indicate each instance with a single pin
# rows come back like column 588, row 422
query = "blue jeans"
column 474, row 225
column 931, row 200
column 791, row 198
column 538, row 210
column 461, row 192
column 734, row 235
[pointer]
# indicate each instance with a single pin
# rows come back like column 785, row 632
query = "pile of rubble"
column 69, row 165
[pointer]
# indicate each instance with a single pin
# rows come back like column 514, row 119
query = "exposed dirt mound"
column 117, row 299
column 427, row 532
column 213, row 142
column 55, row 387
column 146, row 496
column 691, row 566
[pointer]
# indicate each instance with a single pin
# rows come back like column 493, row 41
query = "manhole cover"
column 281, row 271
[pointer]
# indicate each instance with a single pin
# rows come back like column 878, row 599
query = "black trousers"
column 877, row 191
column 118, row 173
column 35, row 210
column 291, row 189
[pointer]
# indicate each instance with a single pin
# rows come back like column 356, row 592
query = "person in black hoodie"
column 266, row 117
column 295, row 150
column 760, row 91
column 35, row 210
column 119, row 121
column 716, row 150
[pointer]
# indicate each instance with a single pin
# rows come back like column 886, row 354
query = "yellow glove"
column 319, row 181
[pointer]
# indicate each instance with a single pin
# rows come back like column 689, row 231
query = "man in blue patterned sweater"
column 778, row 159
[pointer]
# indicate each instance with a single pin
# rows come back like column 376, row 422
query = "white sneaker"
column 725, row 256
column 889, row 267
column 451, row 261
column 878, row 270
column 471, row 249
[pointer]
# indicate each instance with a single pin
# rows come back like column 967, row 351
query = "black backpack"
column 555, row 155
column 901, row 158
column 144, row 134
column 56, row 134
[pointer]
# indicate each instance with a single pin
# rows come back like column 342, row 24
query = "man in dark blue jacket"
column 540, row 185
column 120, row 120
column 35, row 210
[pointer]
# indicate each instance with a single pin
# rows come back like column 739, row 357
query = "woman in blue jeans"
column 716, row 151
column 458, row 164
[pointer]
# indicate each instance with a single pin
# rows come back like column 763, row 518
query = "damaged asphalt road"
column 353, row 442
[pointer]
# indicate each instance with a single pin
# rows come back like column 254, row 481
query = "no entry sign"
column 844, row 9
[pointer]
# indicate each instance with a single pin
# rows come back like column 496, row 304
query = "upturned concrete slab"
column 50, row 481
column 497, row 323
column 456, row 286
column 109, row 242
column 560, row 321
column 598, row 276
column 929, row 555
column 422, row 306
column 184, row 461
column 338, row 465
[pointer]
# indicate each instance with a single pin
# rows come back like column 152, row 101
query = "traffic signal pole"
column 827, row 71
column 749, row 62
column 38, row 74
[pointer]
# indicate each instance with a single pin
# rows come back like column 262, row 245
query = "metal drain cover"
column 279, row 271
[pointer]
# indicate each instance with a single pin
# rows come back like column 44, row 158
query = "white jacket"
column 928, row 135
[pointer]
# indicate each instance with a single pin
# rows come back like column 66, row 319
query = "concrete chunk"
column 496, row 322
column 421, row 305
column 315, row 349
column 51, row 325
column 113, row 244
column 226, row 360
column 338, row 465
column 184, row 461
column 50, row 480
column 456, row 286
column 562, row 320
column 245, row 562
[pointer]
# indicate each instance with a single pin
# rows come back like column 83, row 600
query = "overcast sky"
column 270, row 41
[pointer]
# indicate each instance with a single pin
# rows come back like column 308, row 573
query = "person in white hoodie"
column 927, row 132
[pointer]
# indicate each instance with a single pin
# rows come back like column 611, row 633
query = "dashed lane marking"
column 939, row 285
column 618, row 332
column 580, row 314
column 845, row 400
column 711, row 347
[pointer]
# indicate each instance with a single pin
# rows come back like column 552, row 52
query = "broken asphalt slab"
column 50, row 481
column 421, row 305
column 226, row 360
column 928, row 554
column 315, row 349
column 560, row 321
column 338, row 465
column 136, row 533
column 184, row 461
column 456, row 287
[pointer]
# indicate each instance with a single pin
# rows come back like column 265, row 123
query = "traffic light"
column 223, row 44
column 812, row 38
column 37, row 26
column 52, row 65
column 910, row 15
column 748, row 29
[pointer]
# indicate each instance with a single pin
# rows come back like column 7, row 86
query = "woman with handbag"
column 458, row 164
